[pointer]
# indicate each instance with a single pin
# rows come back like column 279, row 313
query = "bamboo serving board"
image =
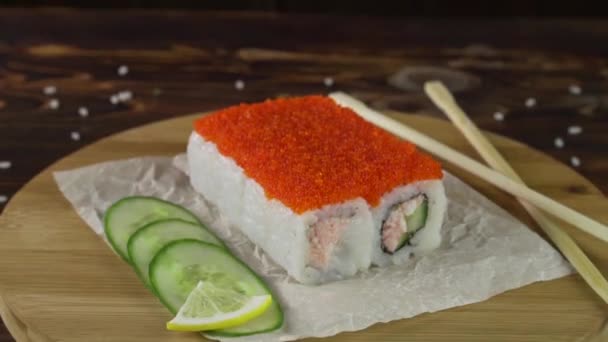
column 60, row 282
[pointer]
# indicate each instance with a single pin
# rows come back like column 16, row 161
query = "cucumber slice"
column 148, row 240
column 129, row 214
column 180, row 265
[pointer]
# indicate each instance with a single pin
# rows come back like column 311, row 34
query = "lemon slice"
column 209, row 307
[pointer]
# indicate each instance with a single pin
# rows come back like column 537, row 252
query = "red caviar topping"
column 308, row 151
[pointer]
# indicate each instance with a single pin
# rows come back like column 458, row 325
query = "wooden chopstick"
column 501, row 181
column 443, row 99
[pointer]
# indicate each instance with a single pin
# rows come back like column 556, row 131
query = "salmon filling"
column 403, row 221
column 323, row 237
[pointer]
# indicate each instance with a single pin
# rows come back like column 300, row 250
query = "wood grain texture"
column 59, row 281
column 185, row 61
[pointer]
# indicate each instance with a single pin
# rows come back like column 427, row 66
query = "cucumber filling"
column 402, row 222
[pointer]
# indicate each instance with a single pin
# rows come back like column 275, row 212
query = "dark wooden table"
column 543, row 77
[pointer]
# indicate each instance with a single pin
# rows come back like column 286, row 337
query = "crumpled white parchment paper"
column 485, row 251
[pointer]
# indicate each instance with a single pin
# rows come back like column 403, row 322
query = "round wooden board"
column 60, row 282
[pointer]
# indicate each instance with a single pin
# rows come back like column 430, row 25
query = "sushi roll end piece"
column 408, row 220
column 314, row 246
column 408, row 217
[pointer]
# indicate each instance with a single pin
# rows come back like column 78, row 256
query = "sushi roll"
column 306, row 180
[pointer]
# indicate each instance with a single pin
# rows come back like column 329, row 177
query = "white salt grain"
column 499, row 116
column 5, row 164
column 125, row 95
column 75, row 136
column 239, row 85
column 328, row 81
column 83, row 112
column 575, row 89
column 123, row 70
column 575, row 161
column 558, row 142
column 54, row 104
column 49, row 90
column 575, row 130
column 114, row 99
column 530, row 102
column 3, row 198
